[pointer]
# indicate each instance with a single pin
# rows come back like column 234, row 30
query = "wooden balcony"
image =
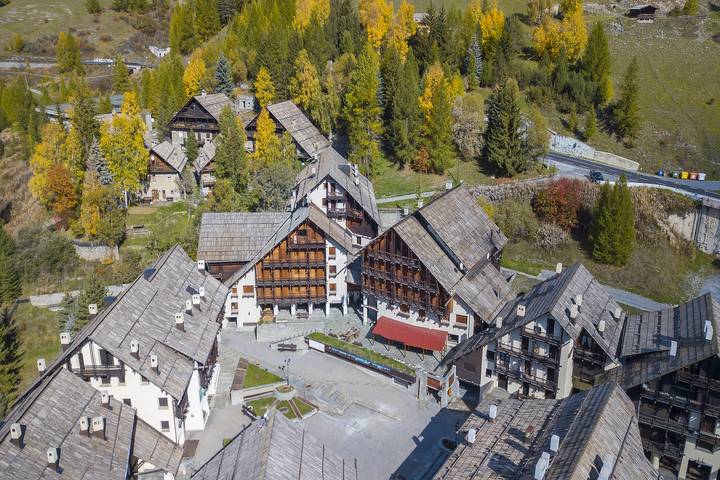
column 393, row 258
column 88, row 371
column 540, row 382
column 400, row 279
column 537, row 333
column 318, row 244
column 335, row 196
column 291, row 282
column 345, row 213
column 300, row 263
column 701, row 381
column 534, row 355
column 290, row 299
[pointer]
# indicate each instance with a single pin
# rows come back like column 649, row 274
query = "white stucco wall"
column 240, row 308
column 166, row 185
column 339, row 279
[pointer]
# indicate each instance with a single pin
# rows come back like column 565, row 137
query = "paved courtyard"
column 363, row 415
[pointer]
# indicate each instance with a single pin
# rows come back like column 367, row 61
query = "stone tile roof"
column 555, row 297
column 214, row 103
column 205, row 155
column 300, row 128
column 593, row 427
column 50, row 416
column 297, row 217
column 443, row 248
column 276, row 449
column 236, row 236
column 330, row 164
column 145, row 312
column 646, row 353
column 172, row 154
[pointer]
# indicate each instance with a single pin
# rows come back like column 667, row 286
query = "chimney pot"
column 554, row 443
column 16, row 433
column 196, row 299
column 41, row 365
column 558, row 268
column 492, row 413
column 98, row 426
column 154, row 363
column 578, row 299
column 188, row 305
column 134, row 348
column 93, row 309
column 673, row 348
column 520, row 311
column 574, row 311
column 52, row 457
column 85, row 425
column 601, row 326
column 65, row 340
column 448, row 185
column 180, row 321
column 201, row 292
column 617, row 313
column 201, row 265
column 498, row 322
column 406, row 211
column 708, row 330
column 105, row 398
column 470, row 437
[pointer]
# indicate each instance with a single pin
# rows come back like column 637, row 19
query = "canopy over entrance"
column 410, row 335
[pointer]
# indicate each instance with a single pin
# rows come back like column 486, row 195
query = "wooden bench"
column 287, row 347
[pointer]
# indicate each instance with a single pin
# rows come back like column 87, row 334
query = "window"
column 358, row 240
column 331, row 252
column 165, row 426
column 324, row 202
column 163, row 403
column 461, row 320
column 105, row 380
column 127, row 402
column 234, row 291
column 332, row 269
column 488, row 372
column 248, row 290
column 490, row 356
column 333, row 289
column 405, row 308
column 143, row 380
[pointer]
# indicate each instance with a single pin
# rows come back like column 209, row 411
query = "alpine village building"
column 63, row 428
column 590, row 435
column 166, row 164
column 155, row 347
column 432, row 279
column 199, row 116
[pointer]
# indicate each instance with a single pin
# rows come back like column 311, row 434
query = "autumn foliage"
column 561, row 203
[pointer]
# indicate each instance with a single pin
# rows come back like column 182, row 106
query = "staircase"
column 228, row 360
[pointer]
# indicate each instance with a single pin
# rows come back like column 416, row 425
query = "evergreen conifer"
column 505, row 147
column 223, row 76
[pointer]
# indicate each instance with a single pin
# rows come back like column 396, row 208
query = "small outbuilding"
column 643, row 13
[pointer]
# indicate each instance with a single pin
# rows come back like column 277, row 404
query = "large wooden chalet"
column 337, row 187
column 201, row 116
column 432, row 279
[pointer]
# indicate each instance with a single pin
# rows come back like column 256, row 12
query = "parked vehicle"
column 596, row 177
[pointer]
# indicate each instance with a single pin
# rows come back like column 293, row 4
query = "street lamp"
column 286, row 370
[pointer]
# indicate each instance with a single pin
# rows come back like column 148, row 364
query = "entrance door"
column 155, row 195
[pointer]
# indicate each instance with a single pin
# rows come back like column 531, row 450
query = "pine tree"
column 626, row 221
column 230, row 162
column 223, row 76
column 182, row 31
column 474, row 63
column 67, row 52
column 590, row 125
column 207, row 19
column 437, row 131
column 226, row 10
column 191, row 148
column 505, row 147
column 10, row 286
column 7, row 244
column 362, row 112
column 121, row 77
column 613, row 228
column 625, row 111
column 596, row 64
column 572, row 119
column 9, row 362
column 401, row 112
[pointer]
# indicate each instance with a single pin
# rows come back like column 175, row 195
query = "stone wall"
column 95, row 252
column 521, row 189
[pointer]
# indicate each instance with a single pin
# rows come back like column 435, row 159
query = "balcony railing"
column 666, row 448
column 100, row 371
column 336, row 196
column 293, row 263
column 393, row 258
column 401, row 279
column 541, row 382
column 276, row 282
column 306, row 245
column 344, row 213
column 584, row 355
column 538, row 334
column 401, row 299
column 290, row 299
column 534, row 355
column 698, row 380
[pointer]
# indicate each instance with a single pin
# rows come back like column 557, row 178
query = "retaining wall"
column 95, row 252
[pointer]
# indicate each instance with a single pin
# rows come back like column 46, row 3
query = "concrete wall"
column 573, row 146
column 700, row 226
column 95, row 252
column 165, row 184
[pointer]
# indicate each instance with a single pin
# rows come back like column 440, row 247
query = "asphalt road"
column 568, row 164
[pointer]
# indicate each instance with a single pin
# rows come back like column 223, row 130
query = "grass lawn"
column 302, row 406
column 361, row 351
column 256, row 376
column 39, row 337
column 285, row 408
column 34, row 19
column 169, row 220
column 656, row 271
column 261, row 405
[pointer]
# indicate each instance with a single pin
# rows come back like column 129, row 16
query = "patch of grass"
column 361, row 351
column 256, row 376
column 168, row 220
column 630, row 310
column 38, row 332
column 261, row 405
column 658, row 271
column 304, row 407
column 526, row 265
column 285, row 408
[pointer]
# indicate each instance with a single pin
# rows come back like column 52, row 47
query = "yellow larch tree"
column 434, row 77
column 403, row 28
column 46, row 155
column 492, row 24
column 376, row 16
column 305, row 10
column 74, row 156
column 264, row 88
column 193, row 75
column 265, row 137
column 570, row 34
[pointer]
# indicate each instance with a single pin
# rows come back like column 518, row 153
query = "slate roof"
column 214, row 103
column 555, row 297
column 50, row 416
column 300, row 128
column 645, row 352
column 590, row 425
column 297, row 217
column 145, row 312
column 276, row 449
column 172, row 154
column 236, row 236
column 452, row 230
column 205, row 155
column 330, row 164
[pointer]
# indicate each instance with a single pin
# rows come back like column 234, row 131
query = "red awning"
column 410, row 335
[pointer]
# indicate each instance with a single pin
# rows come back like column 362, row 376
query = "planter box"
column 238, row 396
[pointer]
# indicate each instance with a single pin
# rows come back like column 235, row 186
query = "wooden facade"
column 194, row 117
column 294, row 271
column 393, row 272
column 223, row 270
column 356, row 219
column 157, row 165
